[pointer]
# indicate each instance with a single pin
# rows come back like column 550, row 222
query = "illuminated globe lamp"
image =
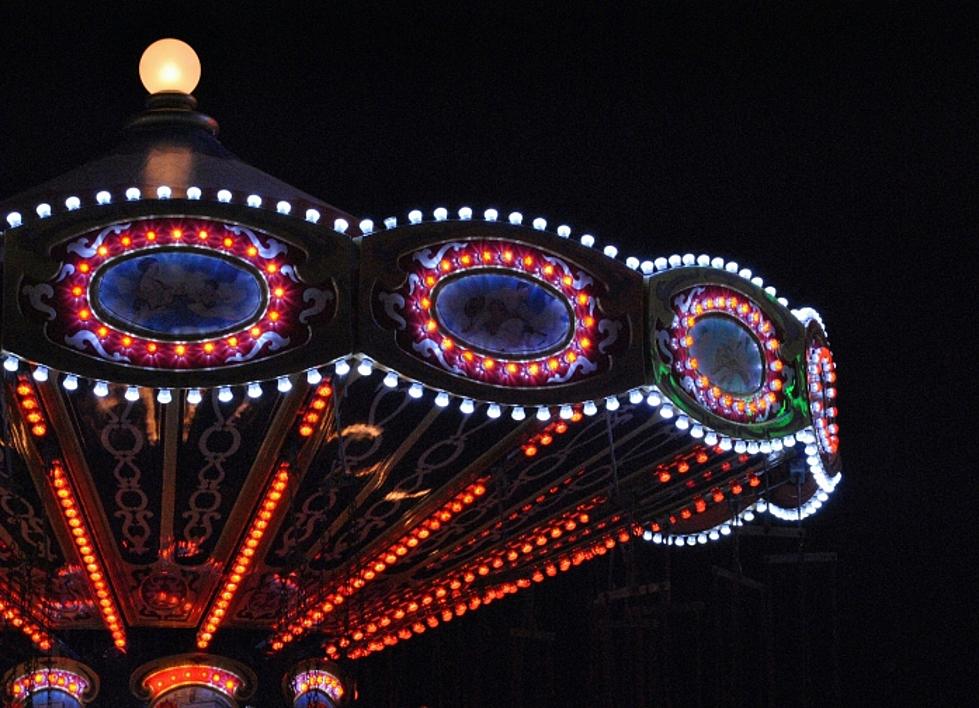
column 228, row 322
column 193, row 680
column 316, row 683
column 51, row 682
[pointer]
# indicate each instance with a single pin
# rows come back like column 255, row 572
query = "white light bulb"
column 132, row 194
column 415, row 216
column 11, row 363
column 589, row 408
column 740, row 446
column 103, row 197
column 632, row 262
column 543, row 413
column 745, row 273
column 726, row 444
column 465, row 213
column 164, row 396
column 646, row 267
column 194, row 396
column 697, row 432
column 254, row 390
column 283, row 384
column 647, row 535
column 391, row 222
column 491, row 215
column 70, row 382
column 518, row 413
column 540, row 224
column 43, row 210
column 312, row 216
column 748, row 515
column 253, row 200
column 675, row 261
column 466, row 406
column 73, row 203
column 41, row 374
column 635, row 396
column 587, row 240
column 225, row 395
column 666, row 411
column 661, row 263
column 612, row 403
column 516, row 218
column 163, row 192
column 313, row 377
column 610, row 251
column 717, row 262
column 714, row 535
column 342, row 368
column 194, row 193
column 710, row 437
column 416, row 390
column 169, row 65
column 366, row 226
column 390, row 379
column 132, row 394
column 441, row 399
column 564, row 231
column 224, row 196
column 731, row 267
column 703, row 260
column 493, row 410
column 654, row 399
column 101, row 389
column 441, row 214
column 725, row 530
column 682, row 422
column 283, row 207
column 340, row 226
column 365, row 367
column 566, row 412
column 689, row 259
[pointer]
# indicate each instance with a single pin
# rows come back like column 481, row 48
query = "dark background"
column 829, row 148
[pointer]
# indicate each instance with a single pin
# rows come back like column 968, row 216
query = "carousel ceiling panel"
column 168, row 293
column 500, row 312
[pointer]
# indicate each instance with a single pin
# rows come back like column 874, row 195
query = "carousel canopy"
column 231, row 410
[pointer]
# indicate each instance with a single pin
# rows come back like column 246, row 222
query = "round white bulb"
column 194, row 193
column 101, row 389
column 313, row 216
column 467, row 406
column 635, row 396
column 254, row 390
column 610, row 251
column 466, row 213
column 340, row 226
column 632, row 262
column 132, row 394
column 654, row 399
column 342, row 368
column 415, row 216
column 10, row 363
column 164, row 396
column 661, row 263
column 689, row 259
column 253, row 200
column 516, row 218
column 543, row 413
column 564, row 231
column 225, row 395
column 540, row 224
column 313, row 377
column 194, row 396
column 646, row 267
column 365, row 367
column 682, row 422
column 366, row 226
column 441, row 214
column 390, row 379
column 666, row 411
column 283, row 207
column 284, row 384
column 647, row 535
column 41, row 374
column 43, row 210
column 169, row 65
column 103, row 197
column 416, row 390
column 132, row 194
column 493, row 410
column 70, row 383
column 675, row 261
column 391, row 222
column 518, row 413
column 163, row 192
column 72, row 203
column 566, row 412
column 589, row 408
column 491, row 214
column 442, row 399
column 587, row 240
column 224, row 196
column 612, row 403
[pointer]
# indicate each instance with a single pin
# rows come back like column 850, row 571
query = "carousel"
column 243, row 428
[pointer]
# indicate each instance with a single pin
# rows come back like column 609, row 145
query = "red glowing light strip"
column 70, row 509
column 546, row 436
column 317, row 680
column 48, row 679
column 10, row 612
column 246, row 552
column 821, row 379
column 543, row 539
column 754, row 407
column 314, row 412
column 163, row 680
column 27, row 398
column 76, row 313
column 496, row 256
column 475, row 598
column 368, row 571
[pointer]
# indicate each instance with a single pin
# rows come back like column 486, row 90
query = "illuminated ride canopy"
column 229, row 405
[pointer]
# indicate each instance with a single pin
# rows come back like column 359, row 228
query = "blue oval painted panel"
column 505, row 315
column 728, row 354
column 179, row 294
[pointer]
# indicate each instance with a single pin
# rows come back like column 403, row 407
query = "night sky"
column 830, row 149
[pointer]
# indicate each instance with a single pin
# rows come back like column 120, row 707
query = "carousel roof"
column 232, row 410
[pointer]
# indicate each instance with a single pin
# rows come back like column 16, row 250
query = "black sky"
column 828, row 147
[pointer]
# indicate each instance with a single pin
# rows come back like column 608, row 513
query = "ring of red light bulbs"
column 717, row 300
column 525, row 262
column 821, row 380
column 166, row 679
column 192, row 236
column 43, row 679
column 317, row 680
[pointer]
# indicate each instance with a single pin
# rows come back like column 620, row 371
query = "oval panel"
column 178, row 294
column 502, row 314
column 728, row 354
